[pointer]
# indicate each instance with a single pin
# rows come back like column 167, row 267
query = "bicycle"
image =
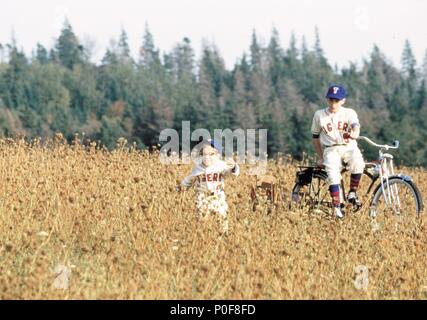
column 394, row 192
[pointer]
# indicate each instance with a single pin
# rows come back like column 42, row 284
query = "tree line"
column 270, row 86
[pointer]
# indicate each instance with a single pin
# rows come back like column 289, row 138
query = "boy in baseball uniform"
column 208, row 179
column 335, row 130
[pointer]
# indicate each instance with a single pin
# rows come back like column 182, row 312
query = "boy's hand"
column 319, row 163
column 181, row 188
column 230, row 163
column 352, row 134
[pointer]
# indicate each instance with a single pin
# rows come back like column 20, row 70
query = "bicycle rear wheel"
column 402, row 198
column 313, row 194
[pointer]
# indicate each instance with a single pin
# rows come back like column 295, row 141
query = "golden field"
column 116, row 223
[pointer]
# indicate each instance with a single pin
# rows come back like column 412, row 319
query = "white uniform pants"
column 213, row 204
column 334, row 156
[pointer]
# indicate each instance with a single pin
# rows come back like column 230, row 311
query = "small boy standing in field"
column 335, row 130
column 208, row 179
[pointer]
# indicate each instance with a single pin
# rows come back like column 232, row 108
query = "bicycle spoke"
column 403, row 201
column 320, row 194
column 313, row 195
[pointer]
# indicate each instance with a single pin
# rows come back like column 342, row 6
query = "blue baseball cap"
column 336, row 92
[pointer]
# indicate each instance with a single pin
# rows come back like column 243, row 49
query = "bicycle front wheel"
column 401, row 196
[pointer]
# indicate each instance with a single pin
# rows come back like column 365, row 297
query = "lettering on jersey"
column 327, row 128
column 210, row 177
column 342, row 127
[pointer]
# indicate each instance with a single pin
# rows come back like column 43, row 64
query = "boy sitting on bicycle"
column 335, row 130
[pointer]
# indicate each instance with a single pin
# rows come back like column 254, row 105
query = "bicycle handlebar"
column 383, row 146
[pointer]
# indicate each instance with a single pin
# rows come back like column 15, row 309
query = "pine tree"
column 70, row 52
column 318, row 51
column 260, row 83
column 304, row 49
column 375, row 93
column 243, row 111
column 153, row 107
column 351, row 78
column 423, row 72
column 408, row 62
column 291, row 59
column 255, row 51
column 149, row 55
column 409, row 72
column 110, row 58
column 183, row 57
column 182, row 64
column 53, row 57
column 211, row 83
column 275, row 62
column 421, row 95
column 123, row 48
column 398, row 104
column 16, row 79
column 41, row 54
column 2, row 54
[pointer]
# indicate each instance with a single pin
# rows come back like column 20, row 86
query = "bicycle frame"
column 385, row 170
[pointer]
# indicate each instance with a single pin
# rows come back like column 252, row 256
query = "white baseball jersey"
column 210, row 179
column 331, row 126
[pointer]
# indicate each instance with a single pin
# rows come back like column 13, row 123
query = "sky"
column 348, row 29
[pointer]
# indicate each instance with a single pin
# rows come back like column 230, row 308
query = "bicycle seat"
column 306, row 167
column 312, row 167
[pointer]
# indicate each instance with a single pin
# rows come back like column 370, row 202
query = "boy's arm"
column 315, row 130
column 355, row 131
column 232, row 167
column 355, row 126
column 188, row 181
column 318, row 148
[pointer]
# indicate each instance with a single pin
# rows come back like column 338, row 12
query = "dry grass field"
column 115, row 223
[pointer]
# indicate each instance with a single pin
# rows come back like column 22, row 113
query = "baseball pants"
column 334, row 156
column 213, row 204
